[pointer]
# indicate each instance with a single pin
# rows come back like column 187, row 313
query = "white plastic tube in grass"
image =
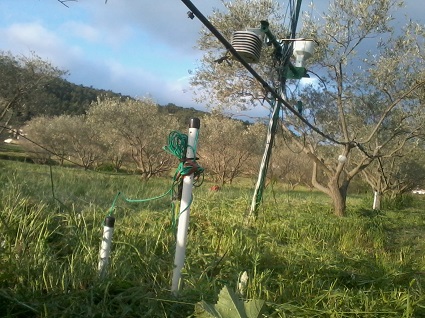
column 243, row 283
column 186, row 199
column 105, row 248
column 376, row 204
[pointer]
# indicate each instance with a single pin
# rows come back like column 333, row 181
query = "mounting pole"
column 259, row 186
column 186, row 200
column 284, row 53
column 105, row 249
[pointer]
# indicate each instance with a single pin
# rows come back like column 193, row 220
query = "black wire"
column 272, row 91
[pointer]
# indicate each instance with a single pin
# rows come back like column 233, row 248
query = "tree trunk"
column 338, row 195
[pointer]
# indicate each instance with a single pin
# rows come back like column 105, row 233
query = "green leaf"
column 230, row 306
column 254, row 308
column 205, row 310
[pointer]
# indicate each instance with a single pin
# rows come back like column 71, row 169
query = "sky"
column 133, row 47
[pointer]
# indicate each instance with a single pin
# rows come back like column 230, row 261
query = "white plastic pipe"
column 105, row 248
column 376, row 201
column 183, row 221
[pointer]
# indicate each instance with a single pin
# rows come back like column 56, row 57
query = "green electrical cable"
column 112, row 208
column 148, row 199
column 177, row 146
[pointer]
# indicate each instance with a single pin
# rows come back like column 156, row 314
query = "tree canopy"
column 369, row 96
column 23, row 79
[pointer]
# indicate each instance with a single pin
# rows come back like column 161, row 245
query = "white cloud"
column 24, row 38
column 164, row 22
column 81, row 30
column 136, row 81
column 30, row 35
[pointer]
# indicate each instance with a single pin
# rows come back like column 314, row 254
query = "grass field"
column 300, row 259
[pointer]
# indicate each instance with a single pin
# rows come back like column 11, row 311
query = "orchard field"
column 301, row 260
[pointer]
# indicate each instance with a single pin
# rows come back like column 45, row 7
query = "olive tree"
column 63, row 138
column 226, row 147
column 289, row 164
column 371, row 115
column 84, row 143
column 136, row 128
column 396, row 175
column 367, row 102
column 64, row 2
column 45, row 139
column 22, row 77
column 220, row 82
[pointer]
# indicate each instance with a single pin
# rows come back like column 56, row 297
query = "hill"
column 32, row 87
column 61, row 97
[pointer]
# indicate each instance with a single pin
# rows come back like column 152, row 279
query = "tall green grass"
column 300, row 258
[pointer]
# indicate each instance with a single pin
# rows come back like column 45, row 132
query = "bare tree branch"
column 391, row 107
column 64, row 2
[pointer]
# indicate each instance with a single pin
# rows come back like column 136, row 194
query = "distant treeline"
column 31, row 87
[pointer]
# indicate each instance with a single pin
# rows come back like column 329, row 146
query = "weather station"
column 245, row 47
column 248, row 44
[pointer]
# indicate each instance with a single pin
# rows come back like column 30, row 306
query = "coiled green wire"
column 176, row 146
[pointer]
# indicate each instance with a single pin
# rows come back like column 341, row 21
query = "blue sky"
column 134, row 47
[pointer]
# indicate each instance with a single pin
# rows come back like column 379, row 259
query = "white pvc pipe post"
column 105, row 248
column 183, row 220
column 375, row 200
